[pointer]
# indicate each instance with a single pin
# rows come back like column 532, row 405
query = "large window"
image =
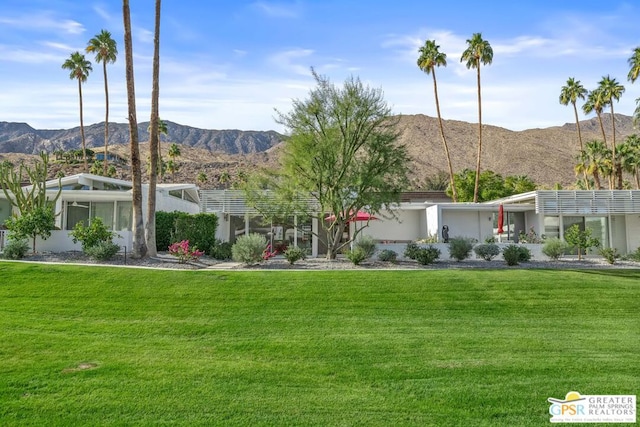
column 115, row 215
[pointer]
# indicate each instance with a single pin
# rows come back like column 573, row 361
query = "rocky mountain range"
column 22, row 138
column 545, row 155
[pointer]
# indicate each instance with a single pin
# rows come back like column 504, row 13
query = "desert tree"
column 106, row 51
column 139, row 247
column 79, row 68
column 430, row 58
column 342, row 157
column 479, row 52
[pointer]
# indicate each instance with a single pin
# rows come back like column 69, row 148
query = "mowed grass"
column 110, row 346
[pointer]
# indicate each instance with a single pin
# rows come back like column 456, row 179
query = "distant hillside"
column 22, row 138
column 546, row 155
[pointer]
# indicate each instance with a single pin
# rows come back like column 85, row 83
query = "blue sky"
column 228, row 64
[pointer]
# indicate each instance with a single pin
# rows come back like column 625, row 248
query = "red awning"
column 359, row 216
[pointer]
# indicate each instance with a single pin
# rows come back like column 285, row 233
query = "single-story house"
column 613, row 216
column 86, row 196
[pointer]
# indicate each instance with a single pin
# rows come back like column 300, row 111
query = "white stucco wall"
column 61, row 242
column 633, row 232
column 433, row 224
column 405, row 228
column 468, row 223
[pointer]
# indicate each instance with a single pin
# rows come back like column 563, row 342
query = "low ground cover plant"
column 96, row 239
column 610, row 255
column 388, row 255
column 427, row 255
column 554, row 248
column 487, row 251
column 249, row 249
column 295, row 253
column 460, row 248
column 15, row 248
column 184, row 252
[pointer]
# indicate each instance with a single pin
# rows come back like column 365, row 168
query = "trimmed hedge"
column 199, row 229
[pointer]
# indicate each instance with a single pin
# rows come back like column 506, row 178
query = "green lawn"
column 447, row 347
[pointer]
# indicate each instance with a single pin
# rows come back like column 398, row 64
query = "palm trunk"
column 575, row 112
column 477, row 184
column 153, row 141
column 139, row 248
column 84, row 149
column 106, row 117
column 444, row 141
column 596, row 180
column 614, row 161
column 637, row 178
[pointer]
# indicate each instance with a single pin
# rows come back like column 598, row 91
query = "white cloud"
column 43, row 22
column 278, row 10
column 287, row 60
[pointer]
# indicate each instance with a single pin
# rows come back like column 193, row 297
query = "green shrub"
column 580, row 239
column 294, row 253
column 221, row 250
column 634, row 256
column 524, row 254
column 554, row 248
column 427, row 255
column 515, row 254
column 487, row 251
column 610, row 254
column 460, row 248
column 387, row 255
column 103, row 251
column 165, row 225
column 411, row 251
column 366, row 244
column 92, row 235
column 356, row 256
column 199, row 229
column 15, row 248
column 249, row 248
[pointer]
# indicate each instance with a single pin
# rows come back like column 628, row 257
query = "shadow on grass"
column 626, row 273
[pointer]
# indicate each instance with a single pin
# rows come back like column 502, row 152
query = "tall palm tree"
column 80, row 68
column 612, row 90
column 570, row 93
column 430, row 58
column 106, row 51
column 596, row 102
column 634, row 72
column 154, row 142
column 139, row 247
column 478, row 52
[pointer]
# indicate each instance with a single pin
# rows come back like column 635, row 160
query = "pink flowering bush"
column 184, row 253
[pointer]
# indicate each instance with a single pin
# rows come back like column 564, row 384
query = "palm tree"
column 162, row 130
column 202, row 177
column 139, row 248
column 570, row 93
column 629, row 157
column 595, row 159
column 478, row 52
column 106, row 52
column 595, row 102
column 154, row 142
column 634, row 72
column 174, row 153
column 430, row 58
column 80, row 69
column 612, row 90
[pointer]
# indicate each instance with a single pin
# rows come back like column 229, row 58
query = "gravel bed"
column 164, row 260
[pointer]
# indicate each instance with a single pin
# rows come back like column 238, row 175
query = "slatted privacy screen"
column 588, row 202
column 231, row 202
